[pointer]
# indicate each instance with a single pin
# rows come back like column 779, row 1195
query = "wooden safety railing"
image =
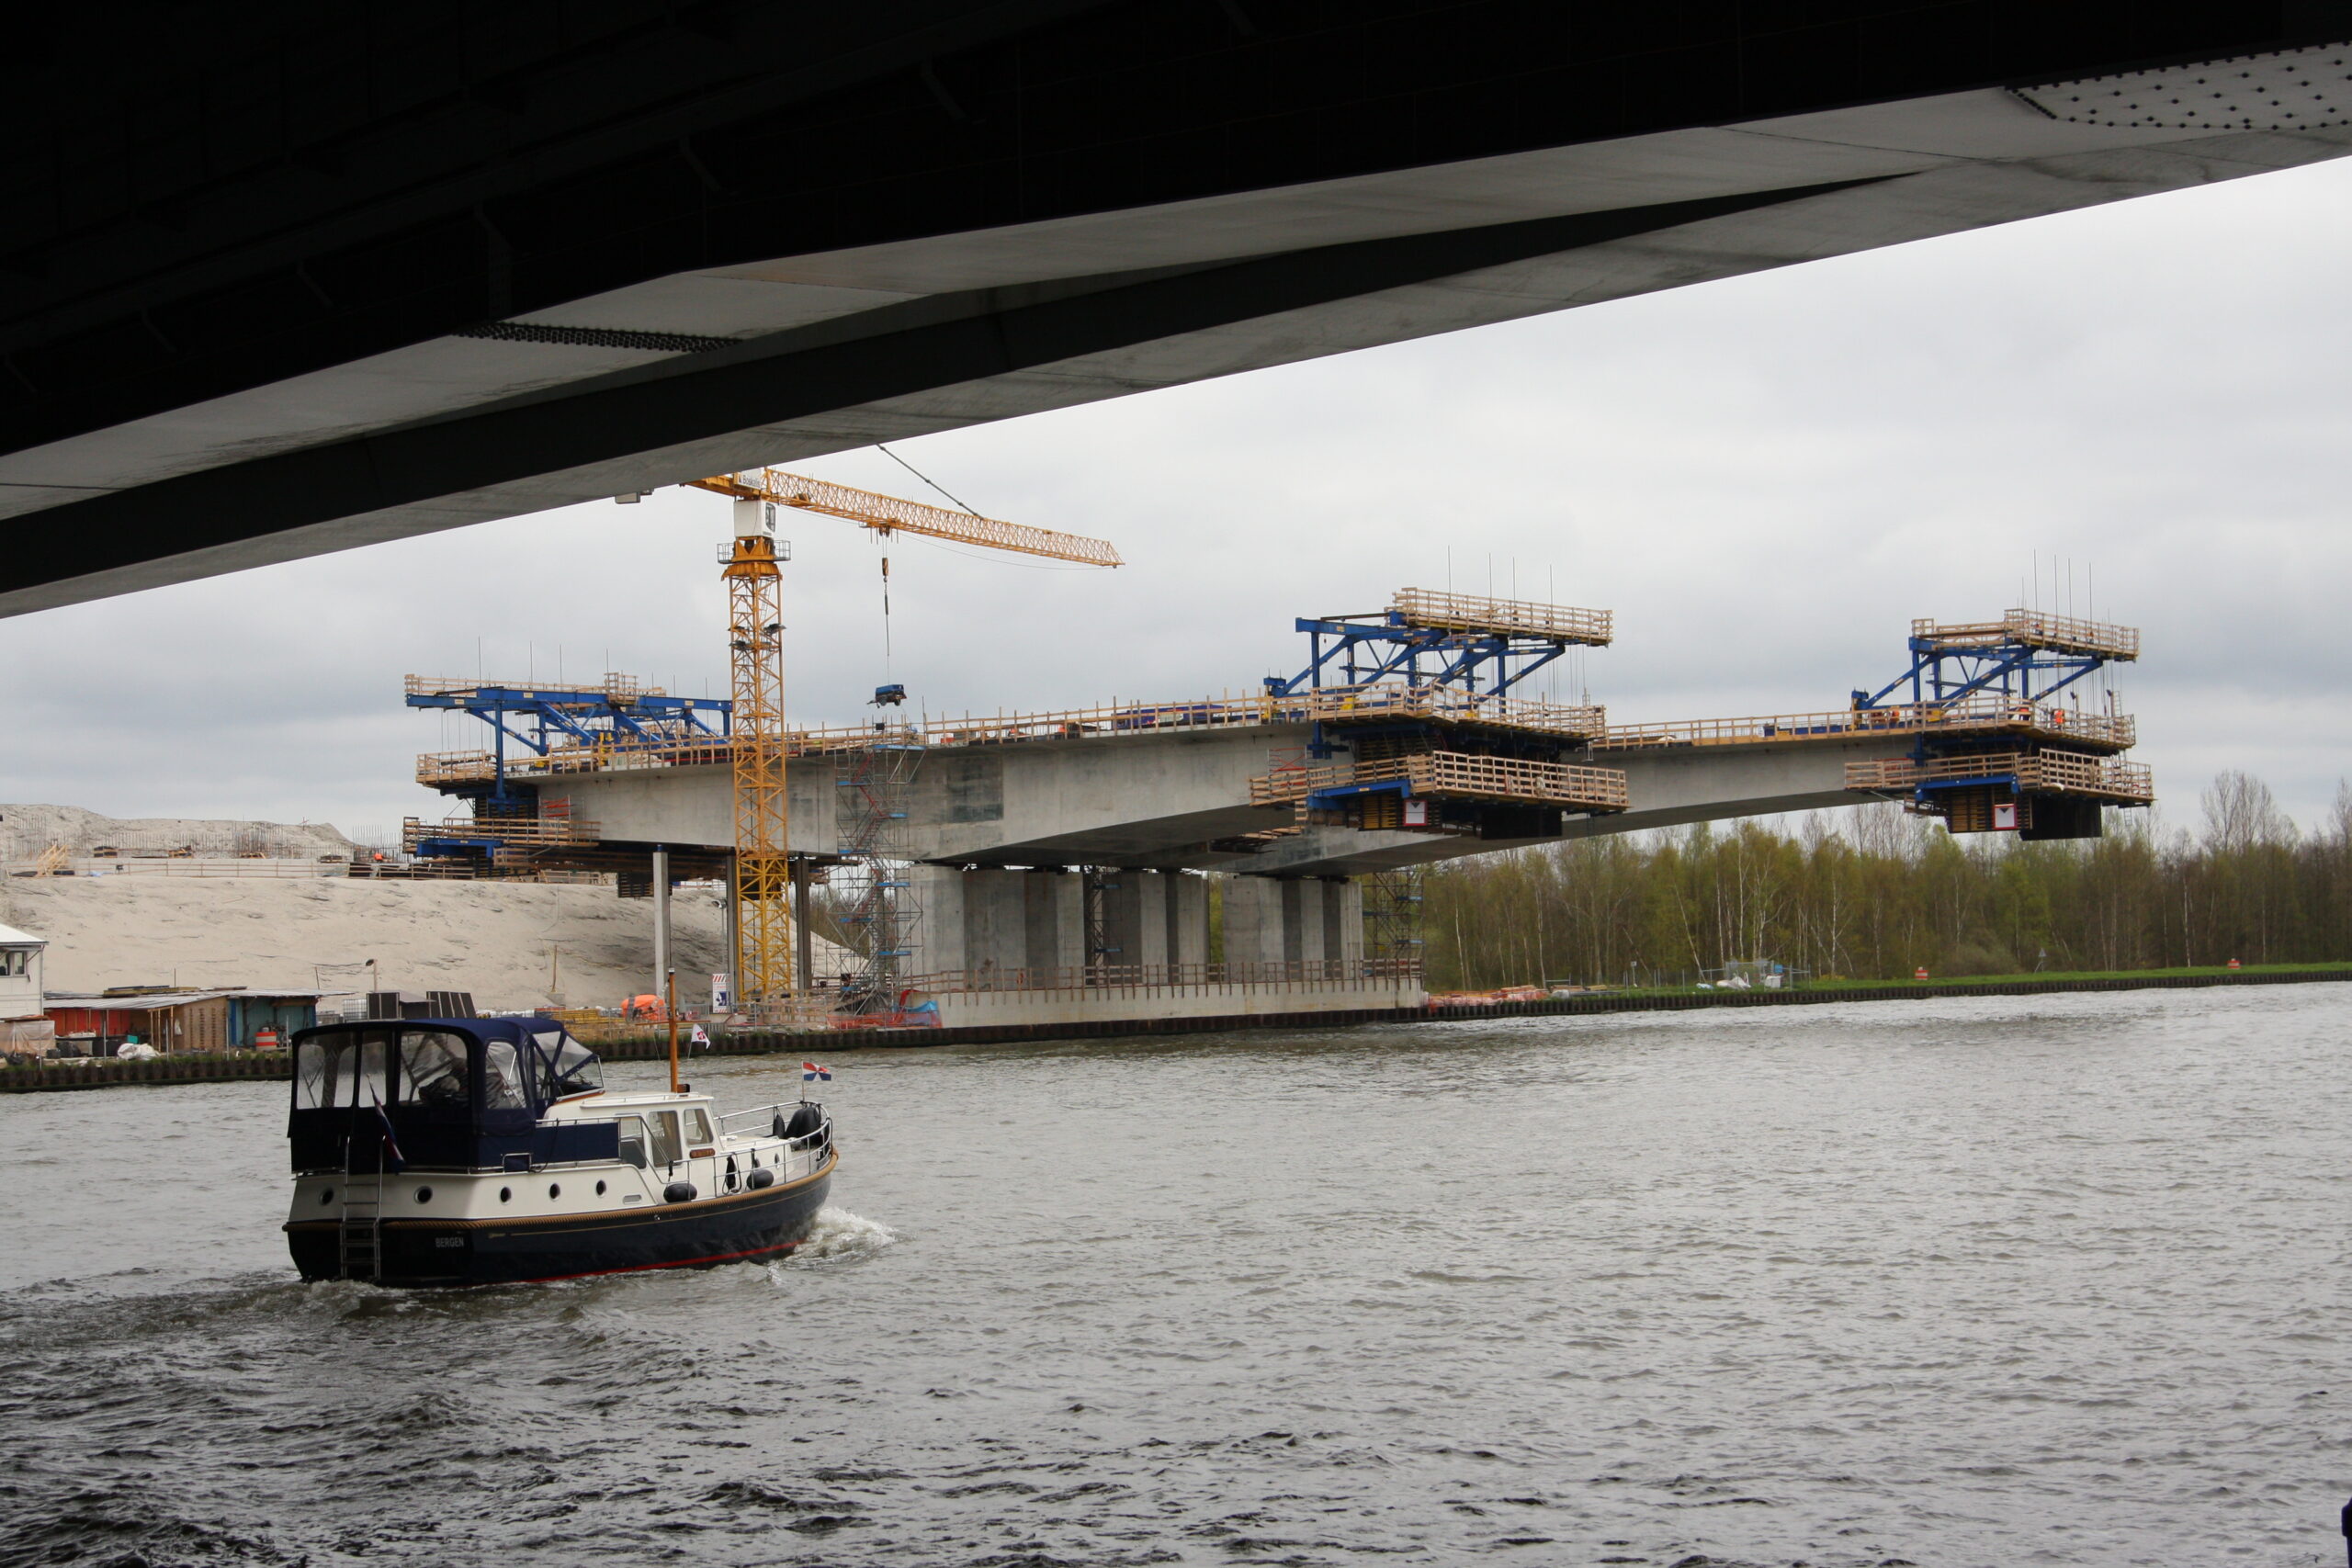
column 2049, row 720
column 1470, row 613
column 619, row 687
column 518, row 832
column 2052, row 772
column 1462, row 775
column 2033, row 628
column 1457, row 775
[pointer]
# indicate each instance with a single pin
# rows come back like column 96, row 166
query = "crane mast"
column 762, row 893
column 764, row 969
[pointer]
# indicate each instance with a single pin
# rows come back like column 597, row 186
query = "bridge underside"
column 1180, row 801
column 531, row 271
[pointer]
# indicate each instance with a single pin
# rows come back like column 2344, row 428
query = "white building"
column 23, row 1026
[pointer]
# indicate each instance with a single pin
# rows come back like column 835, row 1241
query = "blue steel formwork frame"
column 2015, row 671
column 539, row 718
column 1383, row 647
column 2005, row 670
column 1460, row 657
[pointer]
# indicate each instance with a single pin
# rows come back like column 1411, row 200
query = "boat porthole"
column 326, row 1195
column 600, row 1190
column 425, row 1194
column 555, row 1189
column 506, row 1194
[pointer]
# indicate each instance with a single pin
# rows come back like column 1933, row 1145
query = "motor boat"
column 468, row 1151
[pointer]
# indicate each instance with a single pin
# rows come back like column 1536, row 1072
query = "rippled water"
column 2004, row 1281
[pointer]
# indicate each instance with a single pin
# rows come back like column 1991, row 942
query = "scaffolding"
column 871, row 810
column 2021, row 678
column 1392, row 916
column 762, row 878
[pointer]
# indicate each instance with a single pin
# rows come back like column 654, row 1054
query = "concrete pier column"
column 661, row 922
column 730, row 956
column 996, row 934
column 939, row 939
column 1303, row 921
column 1053, row 922
column 1135, row 910
column 1188, row 919
column 803, row 946
column 1253, row 920
column 1343, row 920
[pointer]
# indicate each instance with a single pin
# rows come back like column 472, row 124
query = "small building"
column 172, row 1020
column 23, row 1025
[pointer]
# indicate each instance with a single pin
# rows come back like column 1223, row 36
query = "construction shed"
column 22, row 1025
column 173, row 1019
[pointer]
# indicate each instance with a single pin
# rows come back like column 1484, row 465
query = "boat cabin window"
column 338, row 1071
column 667, row 1150
column 503, row 1079
column 698, row 1128
column 433, row 1070
column 634, row 1140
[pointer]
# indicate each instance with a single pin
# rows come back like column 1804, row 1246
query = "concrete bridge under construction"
column 1052, row 854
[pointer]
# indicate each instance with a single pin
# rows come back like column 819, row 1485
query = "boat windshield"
column 576, row 1069
column 433, row 1070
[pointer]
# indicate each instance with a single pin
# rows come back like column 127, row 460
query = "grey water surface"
column 2000, row 1282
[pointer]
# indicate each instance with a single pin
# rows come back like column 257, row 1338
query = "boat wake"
column 841, row 1237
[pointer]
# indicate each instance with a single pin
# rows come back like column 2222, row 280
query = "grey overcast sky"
column 1765, row 478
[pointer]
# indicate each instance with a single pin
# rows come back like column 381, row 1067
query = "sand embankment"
column 513, row 945
column 501, row 941
column 27, row 830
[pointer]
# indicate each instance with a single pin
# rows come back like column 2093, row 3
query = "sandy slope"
column 492, row 938
column 25, row 830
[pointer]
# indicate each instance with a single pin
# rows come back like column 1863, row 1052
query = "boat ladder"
column 362, row 1229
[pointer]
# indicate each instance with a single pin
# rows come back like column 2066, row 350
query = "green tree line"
column 1874, row 893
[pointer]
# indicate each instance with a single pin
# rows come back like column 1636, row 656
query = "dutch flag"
column 811, row 1073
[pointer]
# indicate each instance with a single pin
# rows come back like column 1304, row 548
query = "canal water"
column 2000, row 1282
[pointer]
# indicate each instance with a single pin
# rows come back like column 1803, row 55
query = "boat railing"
column 807, row 1143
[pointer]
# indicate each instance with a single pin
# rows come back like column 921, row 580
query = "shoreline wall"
column 188, row 1069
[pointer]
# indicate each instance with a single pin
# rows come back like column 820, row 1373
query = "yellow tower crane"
column 764, row 943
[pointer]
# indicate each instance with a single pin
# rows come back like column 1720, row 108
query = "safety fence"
column 2042, row 721
column 1455, row 775
column 2031, row 628
column 2052, row 772
column 1518, row 617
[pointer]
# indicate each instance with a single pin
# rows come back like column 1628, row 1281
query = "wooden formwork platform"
column 517, row 832
column 1517, row 617
column 2032, row 628
column 1456, row 775
column 2039, row 773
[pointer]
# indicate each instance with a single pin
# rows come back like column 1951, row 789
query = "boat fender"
column 678, row 1193
column 761, row 1177
column 733, row 1179
column 805, row 1119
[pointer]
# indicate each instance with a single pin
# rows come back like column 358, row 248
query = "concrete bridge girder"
column 1157, row 801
